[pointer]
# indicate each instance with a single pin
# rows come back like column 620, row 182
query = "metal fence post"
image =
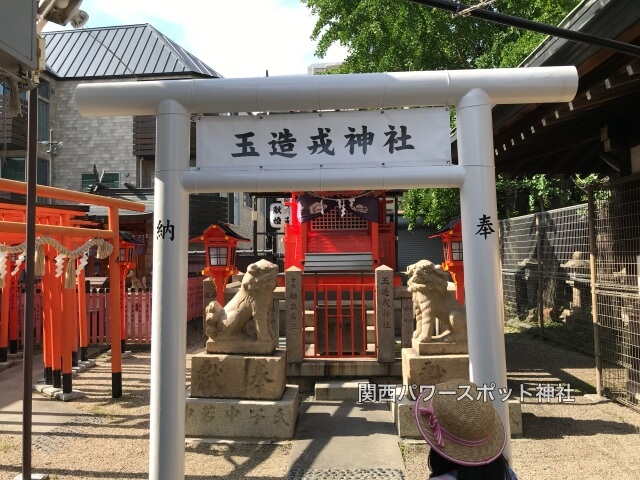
column 593, row 251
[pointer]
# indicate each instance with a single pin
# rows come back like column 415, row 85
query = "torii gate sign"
column 472, row 92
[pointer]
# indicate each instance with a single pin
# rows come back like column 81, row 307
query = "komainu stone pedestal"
column 402, row 413
column 424, row 370
column 233, row 418
column 238, row 376
column 431, row 369
column 438, row 348
column 241, row 396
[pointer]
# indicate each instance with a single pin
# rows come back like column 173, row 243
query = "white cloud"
column 237, row 38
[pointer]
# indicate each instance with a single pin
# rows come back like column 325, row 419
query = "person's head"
column 464, row 431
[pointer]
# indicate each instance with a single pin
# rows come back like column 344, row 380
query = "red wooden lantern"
column 220, row 244
column 451, row 236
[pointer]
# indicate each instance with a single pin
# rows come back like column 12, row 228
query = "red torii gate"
column 69, row 233
column 9, row 322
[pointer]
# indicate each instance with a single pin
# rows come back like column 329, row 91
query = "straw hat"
column 464, row 430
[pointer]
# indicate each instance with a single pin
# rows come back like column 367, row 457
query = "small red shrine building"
column 338, row 240
column 344, row 233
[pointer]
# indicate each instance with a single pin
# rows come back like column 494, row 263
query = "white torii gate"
column 472, row 92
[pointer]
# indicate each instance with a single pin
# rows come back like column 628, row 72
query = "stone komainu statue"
column 244, row 324
column 431, row 299
column 135, row 281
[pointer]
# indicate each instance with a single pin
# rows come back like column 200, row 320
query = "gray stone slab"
column 238, row 376
column 344, row 436
column 403, row 416
column 40, row 387
column 515, row 417
column 257, row 347
column 438, row 348
column 344, row 368
column 123, row 355
column 57, row 393
column 48, row 390
column 69, row 397
column 230, row 418
column 84, row 364
column 338, row 390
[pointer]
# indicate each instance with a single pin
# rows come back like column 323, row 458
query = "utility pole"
column 61, row 13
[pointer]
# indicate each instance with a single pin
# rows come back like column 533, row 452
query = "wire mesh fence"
column 545, row 272
column 547, row 280
column 617, row 238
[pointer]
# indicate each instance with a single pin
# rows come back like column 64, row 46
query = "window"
column 233, row 206
column 247, row 200
column 5, row 87
column 109, row 179
column 456, row 251
column 15, row 169
column 44, row 94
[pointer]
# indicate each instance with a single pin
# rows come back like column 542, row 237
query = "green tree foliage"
column 519, row 196
column 399, row 35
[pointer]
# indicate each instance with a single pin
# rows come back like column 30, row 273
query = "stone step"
column 310, row 352
column 308, row 334
column 308, row 318
column 329, row 390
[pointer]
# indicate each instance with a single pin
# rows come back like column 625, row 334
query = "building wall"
column 106, row 142
column 415, row 245
column 246, row 227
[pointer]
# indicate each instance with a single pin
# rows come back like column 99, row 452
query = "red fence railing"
column 137, row 313
column 339, row 321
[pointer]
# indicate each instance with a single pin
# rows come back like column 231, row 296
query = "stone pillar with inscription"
column 385, row 328
column 238, row 386
column 294, row 314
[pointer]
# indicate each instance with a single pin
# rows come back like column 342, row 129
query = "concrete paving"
column 47, row 412
column 353, row 440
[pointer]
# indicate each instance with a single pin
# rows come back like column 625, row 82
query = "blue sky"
column 237, row 38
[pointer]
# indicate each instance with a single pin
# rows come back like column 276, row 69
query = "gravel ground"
column 108, row 438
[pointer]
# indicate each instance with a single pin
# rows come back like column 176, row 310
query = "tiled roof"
column 124, row 51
